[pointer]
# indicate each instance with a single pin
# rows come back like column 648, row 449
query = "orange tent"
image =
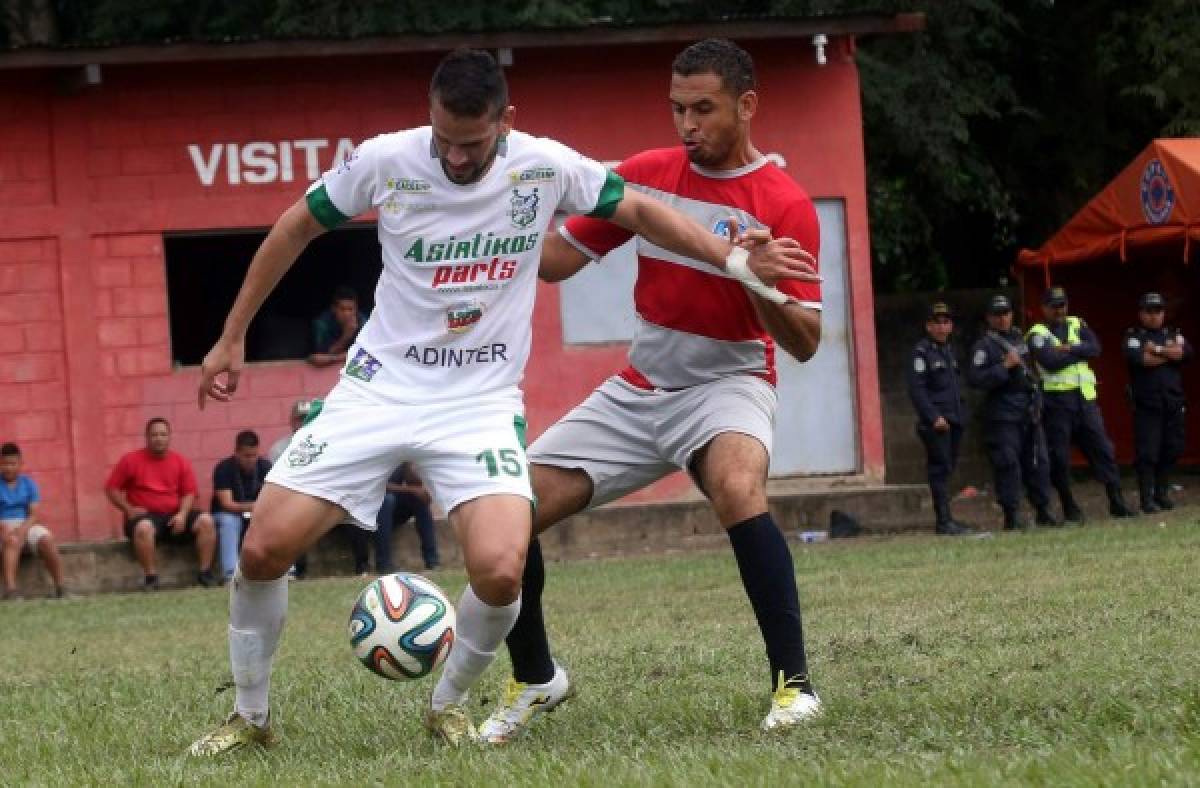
column 1154, row 201
column 1140, row 233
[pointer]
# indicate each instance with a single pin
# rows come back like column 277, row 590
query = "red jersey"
column 695, row 323
column 153, row 483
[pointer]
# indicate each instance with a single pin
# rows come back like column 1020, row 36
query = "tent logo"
column 1158, row 198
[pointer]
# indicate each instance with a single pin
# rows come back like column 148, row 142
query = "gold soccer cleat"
column 234, row 734
column 451, row 724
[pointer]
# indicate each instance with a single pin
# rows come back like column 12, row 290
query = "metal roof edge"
column 197, row 52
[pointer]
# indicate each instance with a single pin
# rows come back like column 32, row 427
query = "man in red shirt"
column 699, row 391
column 155, row 488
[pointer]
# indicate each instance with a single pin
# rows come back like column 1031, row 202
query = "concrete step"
column 614, row 530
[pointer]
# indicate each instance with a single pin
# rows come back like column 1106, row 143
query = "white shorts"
column 625, row 438
column 463, row 449
column 35, row 534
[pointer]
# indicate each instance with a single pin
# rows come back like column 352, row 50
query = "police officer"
column 1061, row 346
column 1155, row 354
column 934, row 389
column 1012, row 411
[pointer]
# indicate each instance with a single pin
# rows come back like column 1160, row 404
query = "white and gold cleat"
column 522, row 703
column 791, row 705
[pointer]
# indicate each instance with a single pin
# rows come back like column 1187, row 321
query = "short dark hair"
column 246, row 439
column 345, row 293
column 469, row 83
column 157, row 420
column 10, row 450
column 721, row 57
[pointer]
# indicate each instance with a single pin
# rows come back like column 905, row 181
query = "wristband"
column 736, row 266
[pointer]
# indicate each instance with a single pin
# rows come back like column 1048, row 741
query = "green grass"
column 1067, row 657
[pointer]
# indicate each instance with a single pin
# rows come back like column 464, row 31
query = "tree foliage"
column 984, row 132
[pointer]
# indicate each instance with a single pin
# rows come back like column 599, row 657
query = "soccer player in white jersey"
column 698, row 393
column 463, row 206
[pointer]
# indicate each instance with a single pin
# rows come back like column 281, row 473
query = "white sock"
column 481, row 629
column 256, row 615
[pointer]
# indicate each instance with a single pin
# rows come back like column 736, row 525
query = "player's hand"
column 782, row 258
column 227, row 356
column 177, row 523
column 1012, row 359
column 941, row 425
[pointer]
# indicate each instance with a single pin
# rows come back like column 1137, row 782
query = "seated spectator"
column 237, row 481
column 406, row 498
column 19, row 526
column 155, row 488
column 335, row 329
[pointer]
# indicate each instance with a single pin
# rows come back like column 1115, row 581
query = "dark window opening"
column 205, row 271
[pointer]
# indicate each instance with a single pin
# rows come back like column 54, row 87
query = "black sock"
column 151, row 580
column 769, row 577
column 527, row 643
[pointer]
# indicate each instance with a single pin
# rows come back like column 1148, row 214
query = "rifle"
column 1029, row 375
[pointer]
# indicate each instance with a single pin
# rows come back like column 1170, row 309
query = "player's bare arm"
column 560, row 260
column 287, row 239
column 795, row 327
column 662, row 225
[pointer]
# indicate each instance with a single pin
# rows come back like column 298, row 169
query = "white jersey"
column 454, row 304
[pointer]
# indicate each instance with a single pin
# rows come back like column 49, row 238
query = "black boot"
column 953, row 528
column 1162, row 491
column 1013, row 521
column 1071, row 511
column 1146, row 492
column 1116, row 502
column 1046, row 517
column 941, row 514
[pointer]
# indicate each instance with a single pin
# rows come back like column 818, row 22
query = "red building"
column 136, row 182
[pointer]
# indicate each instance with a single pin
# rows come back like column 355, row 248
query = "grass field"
column 1067, row 657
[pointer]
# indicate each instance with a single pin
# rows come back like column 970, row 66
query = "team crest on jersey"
column 523, row 208
column 1158, row 196
column 980, row 357
column 463, row 316
column 306, row 453
column 363, row 366
column 725, row 227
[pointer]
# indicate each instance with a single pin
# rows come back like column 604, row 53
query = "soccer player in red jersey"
column 699, row 391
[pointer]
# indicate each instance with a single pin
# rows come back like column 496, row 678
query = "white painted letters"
column 258, row 163
column 268, row 162
column 207, row 170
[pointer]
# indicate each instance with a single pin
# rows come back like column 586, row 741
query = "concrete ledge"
column 616, row 530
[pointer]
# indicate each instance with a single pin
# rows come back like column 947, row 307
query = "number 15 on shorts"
column 505, row 462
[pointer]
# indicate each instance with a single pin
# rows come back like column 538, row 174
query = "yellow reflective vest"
column 1073, row 376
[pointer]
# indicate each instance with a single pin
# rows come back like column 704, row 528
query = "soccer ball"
column 402, row 626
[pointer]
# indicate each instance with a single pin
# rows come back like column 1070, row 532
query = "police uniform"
column 1158, row 402
column 1070, row 412
column 1012, row 409
column 933, row 386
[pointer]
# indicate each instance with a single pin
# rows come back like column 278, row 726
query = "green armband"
column 323, row 209
column 611, row 194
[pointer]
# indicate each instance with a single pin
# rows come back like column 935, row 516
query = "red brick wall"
column 91, row 180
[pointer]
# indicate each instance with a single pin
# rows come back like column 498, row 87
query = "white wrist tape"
column 737, row 267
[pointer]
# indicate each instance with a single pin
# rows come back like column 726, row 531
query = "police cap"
column 1055, row 296
column 999, row 305
column 1152, row 302
column 939, row 309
